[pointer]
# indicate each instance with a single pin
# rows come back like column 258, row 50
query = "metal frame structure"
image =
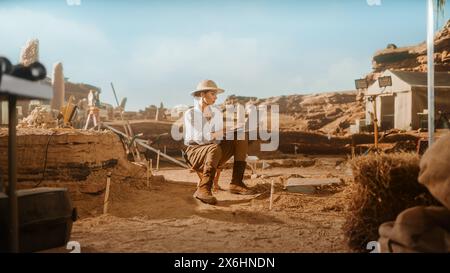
column 15, row 89
column 430, row 70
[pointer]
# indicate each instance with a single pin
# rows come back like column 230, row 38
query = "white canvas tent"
column 402, row 105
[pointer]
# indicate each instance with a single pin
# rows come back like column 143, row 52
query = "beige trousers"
column 208, row 158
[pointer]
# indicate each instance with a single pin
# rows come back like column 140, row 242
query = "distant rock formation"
column 30, row 52
column 330, row 113
column 391, row 46
column 58, row 86
column 40, row 117
column 28, row 55
column 80, row 91
column 413, row 58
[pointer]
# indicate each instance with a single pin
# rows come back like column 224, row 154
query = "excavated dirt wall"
column 60, row 154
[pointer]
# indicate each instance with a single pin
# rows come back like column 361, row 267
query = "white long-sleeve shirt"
column 199, row 125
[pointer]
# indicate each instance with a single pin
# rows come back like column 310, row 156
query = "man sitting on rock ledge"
column 207, row 150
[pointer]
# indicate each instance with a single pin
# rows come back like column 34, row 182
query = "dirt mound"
column 60, row 154
column 166, row 218
column 74, row 159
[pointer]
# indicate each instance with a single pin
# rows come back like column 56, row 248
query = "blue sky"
column 157, row 51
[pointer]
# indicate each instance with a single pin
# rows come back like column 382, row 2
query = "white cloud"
column 340, row 75
column 373, row 2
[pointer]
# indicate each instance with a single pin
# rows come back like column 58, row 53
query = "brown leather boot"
column 237, row 186
column 203, row 192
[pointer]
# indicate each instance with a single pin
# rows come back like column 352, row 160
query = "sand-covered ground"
column 166, row 218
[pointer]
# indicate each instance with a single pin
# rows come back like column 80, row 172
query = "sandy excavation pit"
column 65, row 154
column 165, row 218
column 74, row 159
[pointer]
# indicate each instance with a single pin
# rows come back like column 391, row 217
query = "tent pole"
column 12, row 177
column 430, row 71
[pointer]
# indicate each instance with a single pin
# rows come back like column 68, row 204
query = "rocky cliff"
column 413, row 58
column 330, row 113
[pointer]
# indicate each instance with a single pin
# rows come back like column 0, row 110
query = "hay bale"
column 384, row 185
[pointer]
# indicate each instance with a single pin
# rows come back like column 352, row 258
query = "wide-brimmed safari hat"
column 206, row 85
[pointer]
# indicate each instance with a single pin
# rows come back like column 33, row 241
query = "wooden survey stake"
column 106, row 201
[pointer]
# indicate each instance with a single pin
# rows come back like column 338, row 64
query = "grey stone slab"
column 309, row 185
